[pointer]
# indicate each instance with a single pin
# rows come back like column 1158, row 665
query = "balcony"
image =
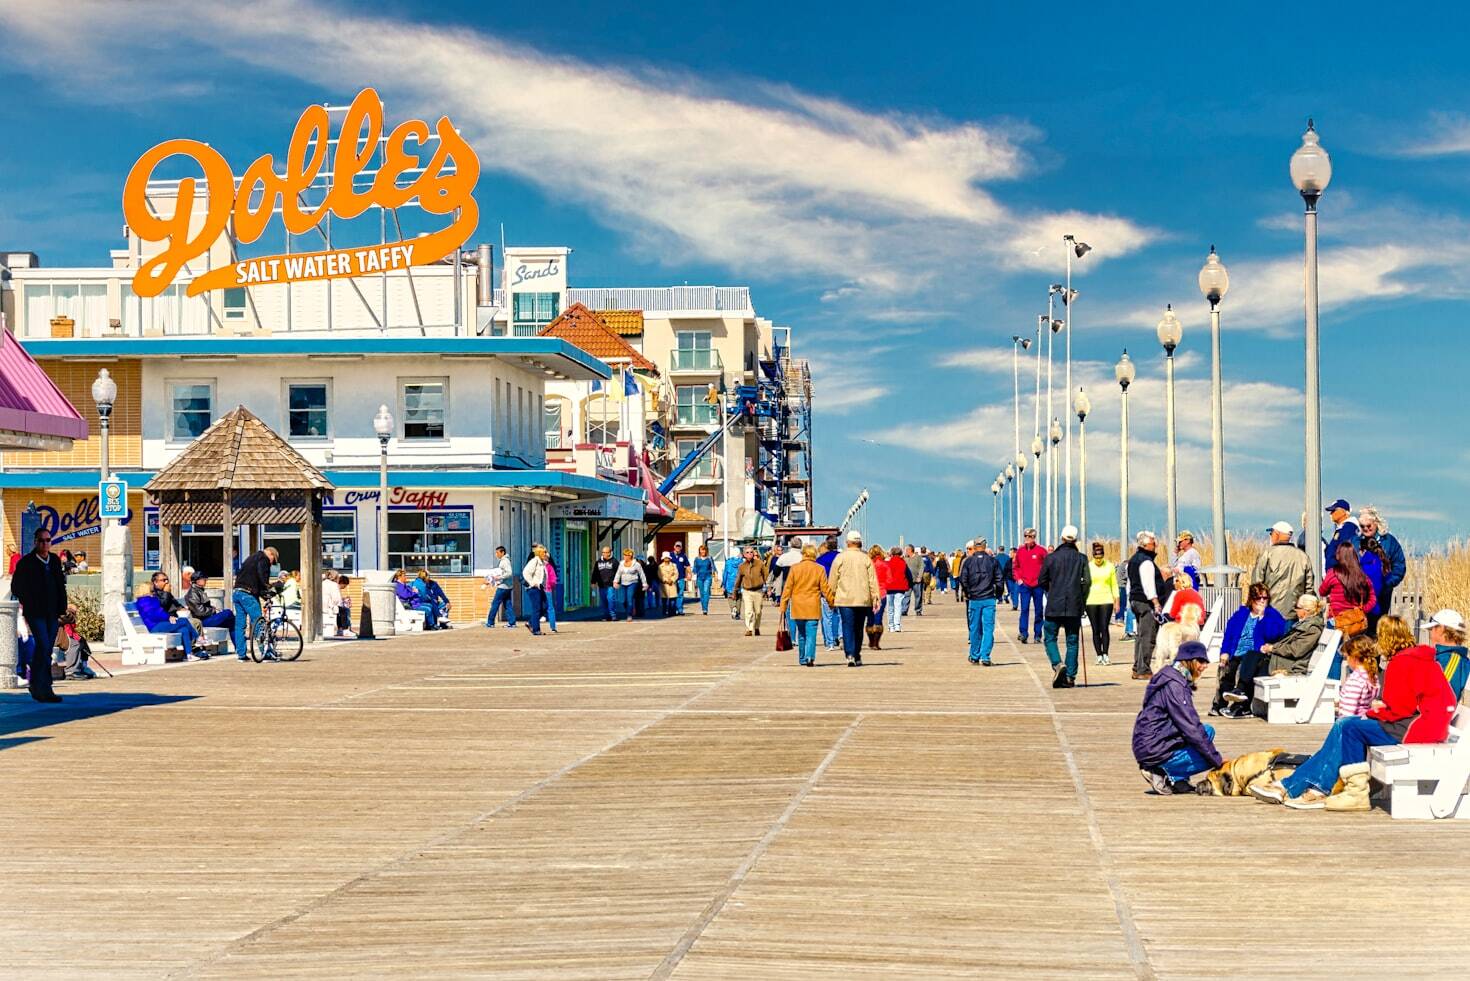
column 700, row 361
column 713, row 301
column 696, row 415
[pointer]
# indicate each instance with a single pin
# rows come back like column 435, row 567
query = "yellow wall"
column 75, row 378
column 66, row 505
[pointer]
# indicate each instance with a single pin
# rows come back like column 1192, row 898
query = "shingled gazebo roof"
column 239, row 452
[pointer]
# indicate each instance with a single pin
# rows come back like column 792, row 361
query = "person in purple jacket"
column 1169, row 741
column 831, row 623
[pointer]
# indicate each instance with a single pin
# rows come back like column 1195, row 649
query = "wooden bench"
column 1425, row 781
column 1295, row 699
column 141, row 647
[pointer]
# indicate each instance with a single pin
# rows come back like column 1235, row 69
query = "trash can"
column 9, row 643
column 384, row 604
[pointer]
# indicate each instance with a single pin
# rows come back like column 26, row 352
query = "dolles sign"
column 440, row 189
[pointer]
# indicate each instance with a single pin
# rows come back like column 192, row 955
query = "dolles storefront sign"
column 82, row 521
column 444, row 186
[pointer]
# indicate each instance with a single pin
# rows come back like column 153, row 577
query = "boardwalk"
column 669, row 799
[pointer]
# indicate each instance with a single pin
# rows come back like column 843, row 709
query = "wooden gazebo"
column 240, row 472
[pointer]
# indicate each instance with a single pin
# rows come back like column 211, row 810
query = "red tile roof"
column 580, row 326
column 628, row 323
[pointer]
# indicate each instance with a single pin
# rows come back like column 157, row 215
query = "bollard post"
column 9, row 646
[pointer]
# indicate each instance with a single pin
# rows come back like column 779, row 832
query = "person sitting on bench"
column 202, row 608
column 157, row 610
column 1252, row 627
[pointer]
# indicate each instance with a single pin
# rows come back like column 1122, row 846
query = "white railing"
column 726, row 299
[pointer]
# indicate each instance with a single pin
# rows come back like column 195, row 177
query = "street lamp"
column 995, row 511
column 383, row 426
column 1041, row 324
column 1311, row 170
column 1036, row 480
column 117, row 558
column 1082, row 407
column 1051, row 465
column 1214, row 283
column 1123, row 371
column 1020, row 465
column 1052, row 472
column 1071, row 247
column 1018, row 344
column 1002, row 483
column 1170, row 333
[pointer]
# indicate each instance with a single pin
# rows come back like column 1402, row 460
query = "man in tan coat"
column 855, row 594
column 750, row 579
column 1285, row 569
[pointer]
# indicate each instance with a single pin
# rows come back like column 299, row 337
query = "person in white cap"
column 1447, row 634
column 1285, row 569
column 855, row 595
column 1064, row 577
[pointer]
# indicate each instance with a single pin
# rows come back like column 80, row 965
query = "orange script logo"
column 438, row 191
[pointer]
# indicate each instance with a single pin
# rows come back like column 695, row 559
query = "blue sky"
column 894, row 186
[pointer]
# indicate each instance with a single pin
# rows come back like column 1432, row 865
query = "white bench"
column 1294, row 699
column 406, row 621
column 1424, row 781
column 1212, row 635
column 141, row 647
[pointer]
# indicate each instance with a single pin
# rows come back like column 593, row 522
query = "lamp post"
column 1170, row 333
column 1005, row 505
column 1082, row 407
column 1010, row 476
column 117, row 557
column 1018, row 344
column 1053, row 473
column 1020, row 465
column 995, row 511
column 1051, row 463
column 1311, row 170
column 1041, row 325
column 1123, row 371
column 1214, row 283
column 1036, row 481
column 1071, row 247
column 383, row 426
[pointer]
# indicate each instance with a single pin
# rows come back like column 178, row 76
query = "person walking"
column 1102, row 600
column 652, row 597
column 703, row 568
column 630, row 582
column 38, row 582
column 681, row 562
column 1027, row 570
column 941, row 572
column 750, row 579
column 502, row 579
column 981, row 582
column 668, row 577
column 831, row 624
column 802, row 596
column 551, row 593
column 955, row 562
column 1064, row 577
column 1285, row 569
column 604, row 580
column 1007, row 562
column 533, row 574
column 252, row 583
column 915, row 565
column 899, row 585
column 729, row 584
column 1147, row 590
column 878, row 555
column 855, row 595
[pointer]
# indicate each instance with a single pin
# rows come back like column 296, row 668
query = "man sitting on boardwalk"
column 1169, row 742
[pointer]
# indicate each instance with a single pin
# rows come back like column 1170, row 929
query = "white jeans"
column 895, row 610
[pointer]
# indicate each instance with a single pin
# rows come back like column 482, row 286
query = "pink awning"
column 30, row 402
column 658, row 506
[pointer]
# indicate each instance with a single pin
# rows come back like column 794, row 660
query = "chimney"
column 484, row 278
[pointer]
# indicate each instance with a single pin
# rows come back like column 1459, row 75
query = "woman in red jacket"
column 885, row 578
column 898, row 588
column 1416, row 707
column 1346, row 586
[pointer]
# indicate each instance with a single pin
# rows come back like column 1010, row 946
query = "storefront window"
column 150, row 541
column 191, row 409
column 423, row 409
column 286, row 540
column 440, row 541
column 339, row 541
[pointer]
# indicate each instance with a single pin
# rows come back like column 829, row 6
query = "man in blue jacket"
column 1344, row 530
column 1169, row 741
column 980, row 580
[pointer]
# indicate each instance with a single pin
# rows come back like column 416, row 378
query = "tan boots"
column 875, row 634
column 1352, row 793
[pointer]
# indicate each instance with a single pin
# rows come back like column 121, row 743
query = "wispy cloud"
column 1449, row 135
column 766, row 179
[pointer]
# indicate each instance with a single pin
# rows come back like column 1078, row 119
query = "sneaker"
column 1235, row 697
column 1216, row 710
column 1156, row 779
column 1107, row 661
column 1271, row 793
column 974, row 660
column 1311, row 799
column 1023, row 638
column 1059, row 676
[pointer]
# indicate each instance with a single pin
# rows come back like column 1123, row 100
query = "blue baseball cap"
column 1339, row 503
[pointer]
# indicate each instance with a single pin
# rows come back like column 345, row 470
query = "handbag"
column 783, row 639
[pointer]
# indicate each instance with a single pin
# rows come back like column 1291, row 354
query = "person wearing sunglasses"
column 40, row 586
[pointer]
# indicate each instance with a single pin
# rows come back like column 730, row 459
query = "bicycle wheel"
column 286, row 639
column 262, row 644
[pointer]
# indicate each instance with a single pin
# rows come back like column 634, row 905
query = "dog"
column 1231, row 778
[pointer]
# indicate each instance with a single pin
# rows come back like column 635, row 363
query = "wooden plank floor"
column 670, row 799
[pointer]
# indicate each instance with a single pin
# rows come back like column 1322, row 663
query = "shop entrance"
column 576, row 565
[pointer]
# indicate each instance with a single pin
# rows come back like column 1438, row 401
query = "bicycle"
column 274, row 638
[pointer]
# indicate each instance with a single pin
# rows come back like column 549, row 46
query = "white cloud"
column 772, row 181
column 1449, row 135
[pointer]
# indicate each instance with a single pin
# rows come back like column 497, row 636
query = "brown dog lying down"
column 1232, row 777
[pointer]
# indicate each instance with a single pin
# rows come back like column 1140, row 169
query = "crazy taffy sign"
column 444, row 186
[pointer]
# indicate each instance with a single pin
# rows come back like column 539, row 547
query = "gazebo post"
column 311, row 570
column 168, row 558
column 229, row 556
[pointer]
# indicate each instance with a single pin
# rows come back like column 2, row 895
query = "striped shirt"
column 1355, row 696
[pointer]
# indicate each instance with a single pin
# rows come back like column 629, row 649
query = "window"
column 306, row 410
column 693, row 351
column 339, row 540
column 234, row 303
column 601, row 413
column 286, row 540
column 423, row 408
column 151, row 546
column 692, row 408
column 84, row 303
column 554, row 418
column 703, row 504
column 440, row 541
column 191, row 409
column 532, row 311
column 705, row 468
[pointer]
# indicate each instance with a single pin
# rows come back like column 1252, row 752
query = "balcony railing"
column 695, row 359
column 726, row 299
column 696, row 415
